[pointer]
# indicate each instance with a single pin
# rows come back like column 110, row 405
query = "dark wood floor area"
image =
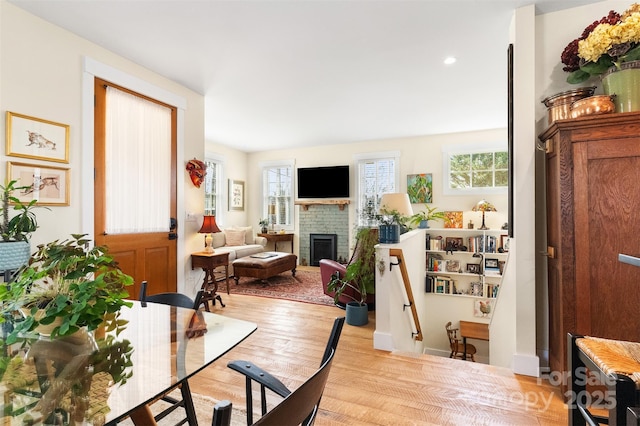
column 370, row 387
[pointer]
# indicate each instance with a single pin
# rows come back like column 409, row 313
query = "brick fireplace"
column 323, row 219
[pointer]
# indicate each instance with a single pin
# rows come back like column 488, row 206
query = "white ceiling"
column 277, row 74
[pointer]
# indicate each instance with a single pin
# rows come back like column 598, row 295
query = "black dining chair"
column 182, row 301
column 173, row 299
column 267, row 381
column 299, row 407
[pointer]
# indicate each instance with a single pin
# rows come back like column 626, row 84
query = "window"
column 212, row 191
column 377, row 174
column 278, row 194
column 475, row 171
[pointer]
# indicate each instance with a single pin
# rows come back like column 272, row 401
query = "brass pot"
column 559, row 105
column 600, row 104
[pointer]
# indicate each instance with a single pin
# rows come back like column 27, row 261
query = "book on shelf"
column 440, row 284
column 483, row 244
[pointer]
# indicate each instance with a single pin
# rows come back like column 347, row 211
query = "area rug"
column 305, row 286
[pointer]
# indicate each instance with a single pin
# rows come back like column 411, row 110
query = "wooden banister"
column 407, row 287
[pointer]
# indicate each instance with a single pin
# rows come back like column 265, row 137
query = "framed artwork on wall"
column 236, row 195
column 30, row 137
column 453, row 219
column 48, row 185
column 420, row 188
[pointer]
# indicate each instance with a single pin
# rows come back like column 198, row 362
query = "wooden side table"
column 209, row 262
column 276, row 237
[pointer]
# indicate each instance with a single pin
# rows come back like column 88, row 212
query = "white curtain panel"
column 138, row 164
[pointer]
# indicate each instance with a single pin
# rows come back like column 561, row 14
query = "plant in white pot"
column 68, row 285
column 15, row 230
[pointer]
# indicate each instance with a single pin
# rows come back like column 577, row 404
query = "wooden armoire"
column 593, row 215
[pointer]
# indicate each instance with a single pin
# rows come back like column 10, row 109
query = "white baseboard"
column 382, row 341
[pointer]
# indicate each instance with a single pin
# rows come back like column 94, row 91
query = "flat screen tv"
column 323, row 182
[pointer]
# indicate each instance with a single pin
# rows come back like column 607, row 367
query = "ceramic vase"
column 357, row 314
column 624, row 85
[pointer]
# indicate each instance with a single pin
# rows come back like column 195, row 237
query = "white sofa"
column 238, row 241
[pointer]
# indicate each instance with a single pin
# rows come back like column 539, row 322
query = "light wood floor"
column 370, row 387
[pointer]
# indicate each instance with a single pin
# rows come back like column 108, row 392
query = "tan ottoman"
column 264, row 265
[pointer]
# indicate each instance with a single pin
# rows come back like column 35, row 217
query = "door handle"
column 173, row 224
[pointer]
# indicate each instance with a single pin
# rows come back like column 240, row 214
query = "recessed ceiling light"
column 449, row 60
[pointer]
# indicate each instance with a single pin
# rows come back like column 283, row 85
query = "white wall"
column 41, row 75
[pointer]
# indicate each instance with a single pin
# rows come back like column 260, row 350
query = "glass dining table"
column 101, row 378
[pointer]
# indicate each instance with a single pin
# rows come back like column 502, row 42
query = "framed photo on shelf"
column 236, row 195
column 453, row 219
column 453, row 243
column 30, row 137
column 473, row 268
column 504, row 243
column 48, row 185
column 453, row 265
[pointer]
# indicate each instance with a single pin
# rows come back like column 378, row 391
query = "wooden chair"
column 267, row 381
column 183, row 301
column 613, row 363
column 457, row 347
column 299, row 407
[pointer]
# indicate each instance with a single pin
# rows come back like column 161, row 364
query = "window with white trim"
column 212, row 187
column 277, row 195
column 377, row 174
column 476, row 171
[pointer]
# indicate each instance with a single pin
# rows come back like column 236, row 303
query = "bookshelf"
column 465, row 262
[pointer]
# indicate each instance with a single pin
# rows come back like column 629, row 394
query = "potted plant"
column 69, row 283
column 359, row 277
column 392, row 225
column 263, row 225
column 422, row 218
column 15, row 231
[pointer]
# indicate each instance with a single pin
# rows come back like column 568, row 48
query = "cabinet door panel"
column 607, row 195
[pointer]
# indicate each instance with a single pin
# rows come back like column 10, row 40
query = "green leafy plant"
column 263, row 222
column 24, row 223
column 430, row 213
column 360, row 272
column 68, row 282
column 611, row 41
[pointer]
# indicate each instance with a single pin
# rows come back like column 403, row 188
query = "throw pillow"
column 249, row 238
column 234, row 237
column 218, row 239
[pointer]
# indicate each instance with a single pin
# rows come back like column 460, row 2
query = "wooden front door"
column 143, row 254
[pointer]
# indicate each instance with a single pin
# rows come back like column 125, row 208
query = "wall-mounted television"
column 323, row 182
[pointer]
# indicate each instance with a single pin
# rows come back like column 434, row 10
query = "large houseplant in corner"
column 69, row 286
column 359, row 276
column 16, row 230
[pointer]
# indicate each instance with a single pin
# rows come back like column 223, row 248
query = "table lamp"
column 484, row 206
column 272, row 216
column 208, row 226
column 396, row 204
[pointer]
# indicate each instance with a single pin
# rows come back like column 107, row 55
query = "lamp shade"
column 484, row 206
column 397, row 202
column 209, row 225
